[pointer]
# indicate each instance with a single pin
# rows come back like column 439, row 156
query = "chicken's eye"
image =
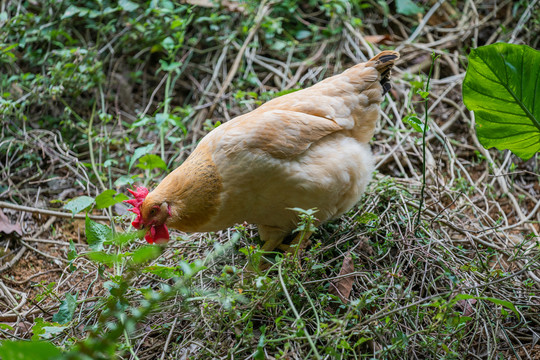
column 153, row 212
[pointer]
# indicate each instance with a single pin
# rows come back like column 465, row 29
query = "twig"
column 32, row 276
column 143, row 114
column 420, row 26
column 16, row 258
column 42, row 253
column 360, row 37
column 263, row 9
column 500, row 179
column 522, row 21
column 91, row 148
column 29, row 209
column 47, row 241
column 168, row 339
column 384, row 313
column 293, row 308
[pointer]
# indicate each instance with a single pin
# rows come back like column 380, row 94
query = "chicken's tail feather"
column 384, row 62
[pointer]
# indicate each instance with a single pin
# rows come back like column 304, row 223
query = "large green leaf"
column 502, row 86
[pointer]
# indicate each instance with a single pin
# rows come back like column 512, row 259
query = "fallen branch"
column 61, row 214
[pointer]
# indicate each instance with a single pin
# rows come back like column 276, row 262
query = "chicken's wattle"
column 158, row 234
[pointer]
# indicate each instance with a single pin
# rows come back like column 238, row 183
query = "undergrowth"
column 99, row 95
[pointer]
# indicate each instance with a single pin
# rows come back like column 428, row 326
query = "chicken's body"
column 308, row 149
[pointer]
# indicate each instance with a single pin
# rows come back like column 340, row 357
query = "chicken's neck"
column 192, row 191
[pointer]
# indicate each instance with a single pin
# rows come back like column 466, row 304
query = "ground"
column 81, row 95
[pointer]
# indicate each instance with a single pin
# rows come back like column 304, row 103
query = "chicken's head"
column 151, row 216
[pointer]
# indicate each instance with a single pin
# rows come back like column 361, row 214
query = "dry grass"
column 478, row 233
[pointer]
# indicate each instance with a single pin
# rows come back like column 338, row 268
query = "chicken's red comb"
column 140, row 194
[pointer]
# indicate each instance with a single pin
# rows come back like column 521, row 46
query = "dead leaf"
column 342, row 286
column 7, row 227
column 375, row 39
column 467, row 305
column 364, row 246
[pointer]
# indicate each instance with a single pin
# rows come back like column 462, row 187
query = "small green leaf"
column 35, row 350
column 161, row 117
column 66, row 310
column 125, row 238
column 174, row 139
column 165, row 66
column 139, row 153
column 6, row 49
column 72, row 10
column 79, row 204
column 142, row 122
column 145, row 254
column 279, row 45
column 366, row 218
column 151, row 161
column 72, row 253
column 415, row 123
column 109, row 198
column 303, row 211
column 164, row 272
column 302, row 34
column 168, row 43
column 96, row 234
column 109, row 163
column 45, row 330
column 124, row 180
column 502, row 87
column 285, row 92
column 190, row 269
column 176, row 23
column 408, row 7
column 127, row 5
column 104, row 258
column 423, row 94
column 6, row 327
column 259, row 354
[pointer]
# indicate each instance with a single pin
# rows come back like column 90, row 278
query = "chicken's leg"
column 273, row 239
column 292, row 246
column 271, row 236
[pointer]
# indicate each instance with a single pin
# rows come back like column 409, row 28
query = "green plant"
column 306, row 225
column 97, row 95
column 417, row 124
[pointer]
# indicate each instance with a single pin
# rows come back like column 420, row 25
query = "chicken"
column 308, row 149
